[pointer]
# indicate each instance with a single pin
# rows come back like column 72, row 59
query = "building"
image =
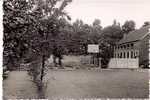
column 134, row 47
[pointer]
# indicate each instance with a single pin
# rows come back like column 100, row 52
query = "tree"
column 15, row 23
column 146, row 23
column 50, row 20
column 80, row 35
column 30, row 24
column 29, row 27
column 128, row 26
column 112, row 34
column 96, row 22
column 96, row 31
column 109, row 37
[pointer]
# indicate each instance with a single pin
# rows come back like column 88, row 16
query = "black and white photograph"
column 75, row 49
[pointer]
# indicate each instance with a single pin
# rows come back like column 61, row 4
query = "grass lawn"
column 114, row 83
column 18, row 85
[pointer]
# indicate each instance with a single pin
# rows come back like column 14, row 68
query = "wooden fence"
column 91, row 60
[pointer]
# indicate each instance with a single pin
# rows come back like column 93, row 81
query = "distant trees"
column 128, row 26
column 96, row 31
column 81, row 35
column 97, row 23
column 112, row 34
column 109, row 37
column 78, row 35
column 146, row 23
column 32, row 28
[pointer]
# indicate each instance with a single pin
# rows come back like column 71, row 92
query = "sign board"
column 93, row 48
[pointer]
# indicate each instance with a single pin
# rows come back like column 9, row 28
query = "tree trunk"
column 43, row 66
column 54, row 61
column 60, row 62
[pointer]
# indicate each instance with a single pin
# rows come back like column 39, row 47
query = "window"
column 127, row 54
column 121, row 55
column 135, row 55
column 128, row 45
column 118, row 47
column 124, row 46
column 121, row 47
column 132, row 45
column 131, row 54
column 124, row 55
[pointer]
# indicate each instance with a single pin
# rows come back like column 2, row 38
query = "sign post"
column 149, row 53
column 94, row 50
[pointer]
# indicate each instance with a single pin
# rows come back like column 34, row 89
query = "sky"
column 108, row 10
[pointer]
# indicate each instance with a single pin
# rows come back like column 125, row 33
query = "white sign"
column 93, row 48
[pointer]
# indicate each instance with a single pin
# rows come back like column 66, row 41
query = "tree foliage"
column 15, row 24
column 30, row 26
column 128, row 26
column 146, row 23
column 33, row 27
column 110, row 36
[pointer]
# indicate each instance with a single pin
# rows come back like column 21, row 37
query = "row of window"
column 131, row 45
column 128, row 54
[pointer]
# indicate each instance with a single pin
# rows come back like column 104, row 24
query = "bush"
column 5, row 72
column 104, row 66
column 34, row 71
column 105, row 62
column 144, row 64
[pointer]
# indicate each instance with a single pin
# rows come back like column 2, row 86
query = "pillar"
column 129, row 53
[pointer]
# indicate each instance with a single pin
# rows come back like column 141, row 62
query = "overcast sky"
column 108, row 10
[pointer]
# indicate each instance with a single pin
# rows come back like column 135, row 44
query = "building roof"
column 135, row 35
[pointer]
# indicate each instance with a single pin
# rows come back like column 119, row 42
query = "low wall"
column 124, row 63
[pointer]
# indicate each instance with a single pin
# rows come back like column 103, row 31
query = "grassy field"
column 19, row 85
column 81, row 84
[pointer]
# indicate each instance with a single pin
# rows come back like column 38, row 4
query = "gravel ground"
column 111, row 83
